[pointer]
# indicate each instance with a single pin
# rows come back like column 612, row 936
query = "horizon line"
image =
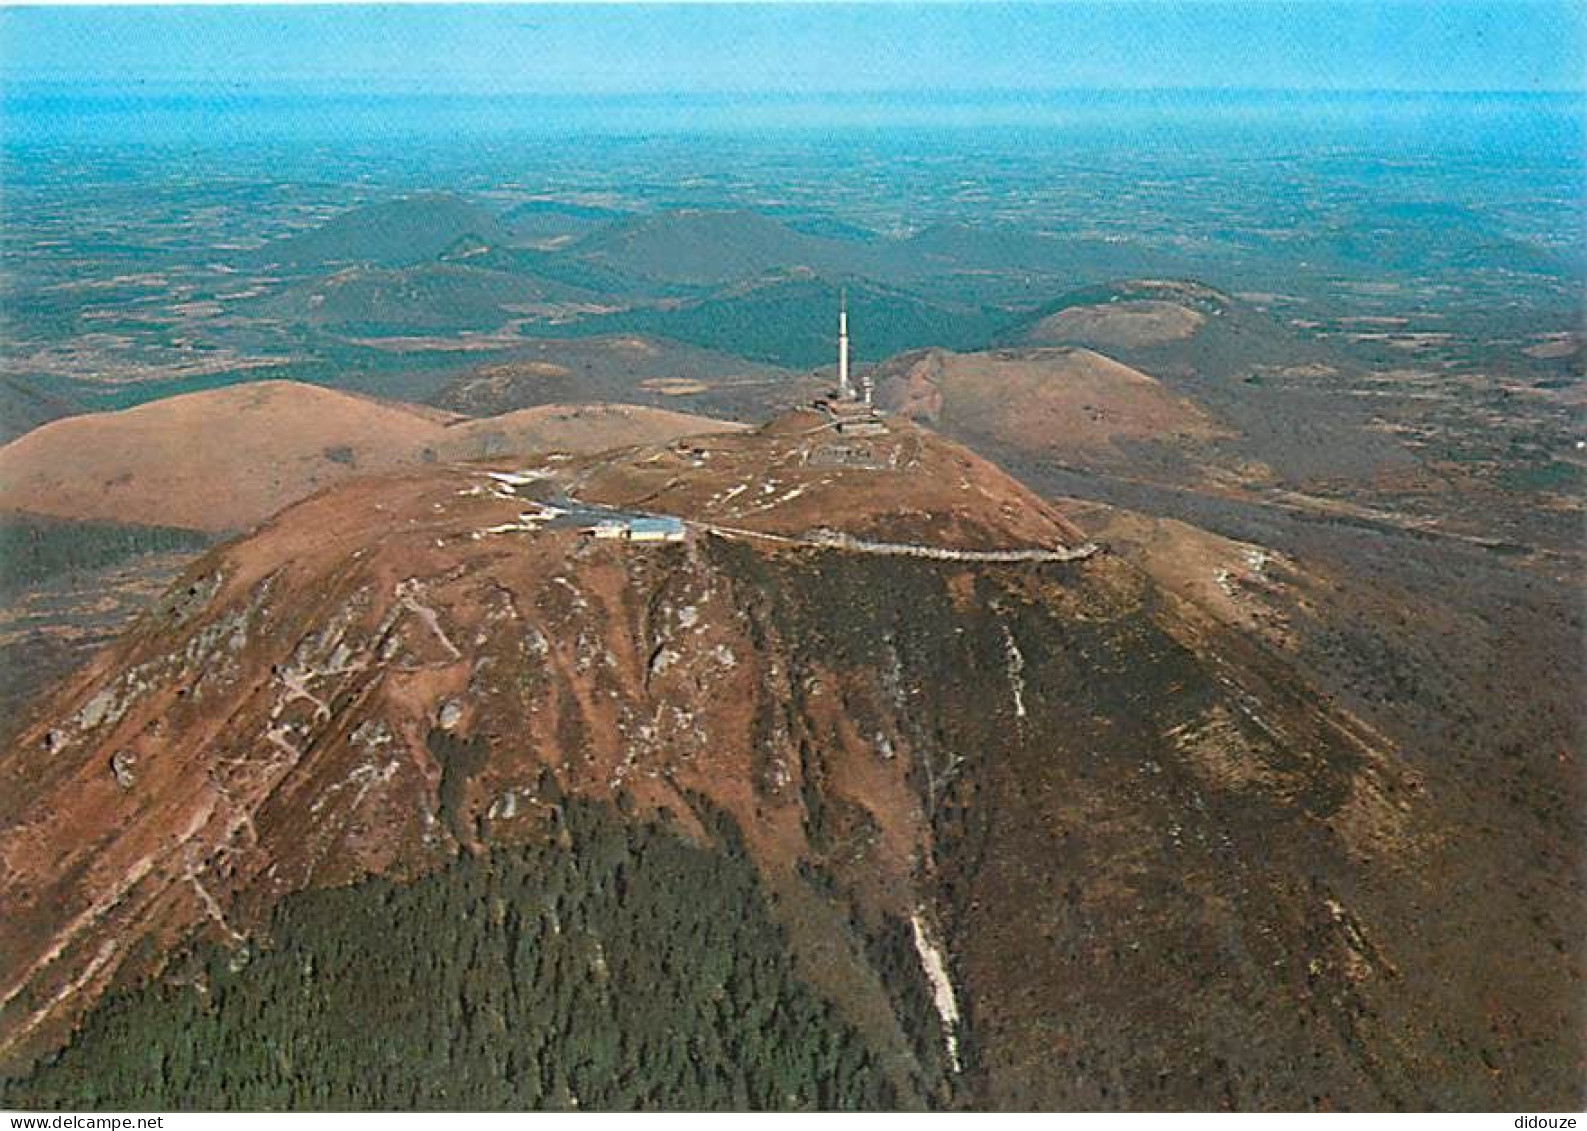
column 383, row 86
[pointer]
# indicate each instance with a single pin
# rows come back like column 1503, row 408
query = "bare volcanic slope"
column 798, row 478
column 214, row 460
column 1066, row 405
column 630, row 368
column 1165, row 316
column 225, row 459
column 569, row 428
column 1041, row 834
column 1291, row 400
column 1132, row 323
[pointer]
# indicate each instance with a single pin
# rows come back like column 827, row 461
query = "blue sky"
column 1454, row 45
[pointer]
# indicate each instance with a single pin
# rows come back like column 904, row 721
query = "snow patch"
column 504, row 808
column 1016, row 671
column 662, row 660
column 936, row 971
column 528, row 521
column 516, row 478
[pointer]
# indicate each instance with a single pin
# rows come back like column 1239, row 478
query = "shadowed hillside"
column 786, row 319
column 393, row 233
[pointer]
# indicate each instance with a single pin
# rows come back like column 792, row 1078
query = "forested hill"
column 612, row 965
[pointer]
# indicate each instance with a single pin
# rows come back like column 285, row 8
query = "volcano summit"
column 999, row 823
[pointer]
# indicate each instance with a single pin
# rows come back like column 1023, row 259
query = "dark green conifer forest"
column 34, row 548
column 614, row 965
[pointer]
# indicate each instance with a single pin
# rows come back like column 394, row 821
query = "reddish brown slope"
column 215, row 460
column 1160, row 873
column 797, row 475
column 1067, row 405
column 379, row 677
column 570, row 428
column 225, row 459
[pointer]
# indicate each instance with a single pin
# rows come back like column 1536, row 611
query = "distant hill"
column 394, row 233
column 703, row 247
column 24, row 407
column 228, row 458
column 553, row 222
column 713, row 247
column 1286, row 395
column 429, row 297
column 1426, row 237
column 828, row 226
column 1117, row 314
column 954, row 246
column 789, row 319
column 623, row 367
column 1130, row 324
column 949, row 264
column 1066, row 405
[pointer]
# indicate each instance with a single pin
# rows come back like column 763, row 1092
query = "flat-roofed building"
column 662, row 528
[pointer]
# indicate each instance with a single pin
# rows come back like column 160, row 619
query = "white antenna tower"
column 845, row 391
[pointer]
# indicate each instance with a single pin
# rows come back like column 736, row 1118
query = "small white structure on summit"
column 640, row 528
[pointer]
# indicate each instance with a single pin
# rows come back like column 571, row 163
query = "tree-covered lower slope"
column 614, row 965
column 35, row 548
